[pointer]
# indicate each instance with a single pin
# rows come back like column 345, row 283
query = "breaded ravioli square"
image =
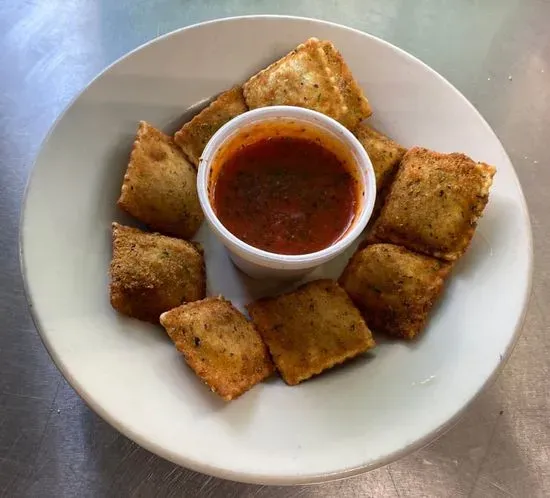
column 434, row 203
column 194, row 135
column 221, row 346
column 152, row 273
column 311, row 329
column 160, row 185
column 301, row 78
column 357, row 105
column 384, row 153
column 394, row 288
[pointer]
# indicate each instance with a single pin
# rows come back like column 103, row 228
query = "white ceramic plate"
column 355, row 418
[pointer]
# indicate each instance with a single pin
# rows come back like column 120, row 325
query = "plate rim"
column 239, row 476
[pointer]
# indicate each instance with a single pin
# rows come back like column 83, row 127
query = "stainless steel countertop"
column 497, row 52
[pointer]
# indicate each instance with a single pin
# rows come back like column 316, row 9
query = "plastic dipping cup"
column 259, row 263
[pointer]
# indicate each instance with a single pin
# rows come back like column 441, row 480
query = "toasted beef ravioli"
column 152, row 273
column 222, row 347
column 434, row 203
column 384, row 153
column 311, row 329
column 313, row 75
column 160, row 186
column 194, row 135
column 395, row 288
column 357, row 105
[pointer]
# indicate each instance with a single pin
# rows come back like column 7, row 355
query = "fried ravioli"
column 311, row 329
column 434, row 203
column 357, row 105
column 194, row 135
column 221, row 346
column 301, row 78
column 152, row 273
column 385, row 154
column 394, row 288
column 160, row 186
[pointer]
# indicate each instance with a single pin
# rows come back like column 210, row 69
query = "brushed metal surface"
column 497, row 52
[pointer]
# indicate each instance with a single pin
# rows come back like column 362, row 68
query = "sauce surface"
column 285, row 194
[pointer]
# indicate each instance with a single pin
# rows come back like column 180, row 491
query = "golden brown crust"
column 152, row 273
column 358, row 107
column 384, row 153
column 194, row 135
column 301, row 78
column 160, row 186
column 434, row 203
column 395, row 288
column 311, row 329
column 222, row 347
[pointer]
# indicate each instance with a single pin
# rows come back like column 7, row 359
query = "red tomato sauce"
column 286, row 195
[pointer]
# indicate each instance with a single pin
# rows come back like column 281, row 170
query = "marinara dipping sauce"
column 285, row 188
